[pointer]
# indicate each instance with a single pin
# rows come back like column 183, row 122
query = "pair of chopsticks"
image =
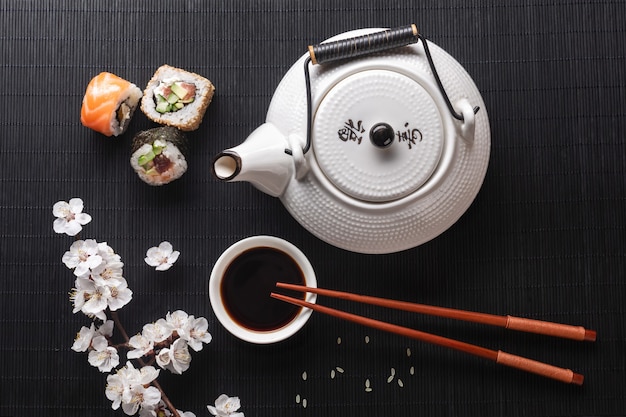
column 509, row 322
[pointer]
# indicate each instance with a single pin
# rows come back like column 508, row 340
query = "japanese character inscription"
column 410, row 136
column 351, row 131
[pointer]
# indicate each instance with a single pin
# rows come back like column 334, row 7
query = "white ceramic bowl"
column 217, row 303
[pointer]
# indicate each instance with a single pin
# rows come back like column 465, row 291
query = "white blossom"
column 162, row 257
column 119, row 295
column 106, row 329
column 107, row 253
column 82, row 342
column 141, row 346
column 147, row 374
column 159, row 410
column 127, row 388
column 109, row 272
column 196, row 332
column 103, row 356
column 90, row 298
column 176, row 358
column 100, row 283
column 80, row 293
column 193, row 330
column 138, row 397
column 82, row 257
column 149, row 412
column 83, row 339
column 116, row 385
column 177, row 320
column 163, row 358
column 158, row 331
column 97, row 302
column 226, row 406
column 70, row 218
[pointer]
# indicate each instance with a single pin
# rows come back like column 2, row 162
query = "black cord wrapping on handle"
column 365, row 44
column 362, row 45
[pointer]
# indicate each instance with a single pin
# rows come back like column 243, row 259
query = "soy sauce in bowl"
column 247, row 283
column 243, row 278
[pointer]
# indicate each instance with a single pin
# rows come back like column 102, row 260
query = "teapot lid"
column 378, row 135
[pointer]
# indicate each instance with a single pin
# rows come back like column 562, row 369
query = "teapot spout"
column 261, row 160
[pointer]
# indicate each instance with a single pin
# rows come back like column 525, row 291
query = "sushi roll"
column 159, row 155
column 178, row 98
column 109, row 104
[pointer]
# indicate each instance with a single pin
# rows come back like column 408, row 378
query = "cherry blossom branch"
column 155, row 383
column 101, row 288
column 118, row 324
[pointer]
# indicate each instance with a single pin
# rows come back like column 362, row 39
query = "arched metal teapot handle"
column 363, row 45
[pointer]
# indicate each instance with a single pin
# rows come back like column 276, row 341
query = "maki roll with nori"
column 178, row 98
column 159, row 155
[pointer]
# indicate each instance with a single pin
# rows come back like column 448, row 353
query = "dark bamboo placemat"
column 544, row 239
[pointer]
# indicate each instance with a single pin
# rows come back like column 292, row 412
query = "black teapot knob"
column 382, row 135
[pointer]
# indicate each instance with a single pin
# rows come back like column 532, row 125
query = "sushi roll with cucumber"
column 109, row 104
column 159, row 155
column 178, row 98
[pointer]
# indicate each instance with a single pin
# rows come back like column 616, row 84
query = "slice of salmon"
column 103, row 97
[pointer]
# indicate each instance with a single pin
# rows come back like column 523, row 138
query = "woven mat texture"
column 544, row 239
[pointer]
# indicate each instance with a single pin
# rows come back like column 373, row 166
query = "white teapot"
column 375, row 141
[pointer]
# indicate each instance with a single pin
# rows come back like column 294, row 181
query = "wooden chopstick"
column 503, row 358
column 509, row 322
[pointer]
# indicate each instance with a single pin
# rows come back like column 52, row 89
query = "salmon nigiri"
column 109, row 104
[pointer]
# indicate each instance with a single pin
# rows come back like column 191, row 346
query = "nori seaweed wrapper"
column 165, row 133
